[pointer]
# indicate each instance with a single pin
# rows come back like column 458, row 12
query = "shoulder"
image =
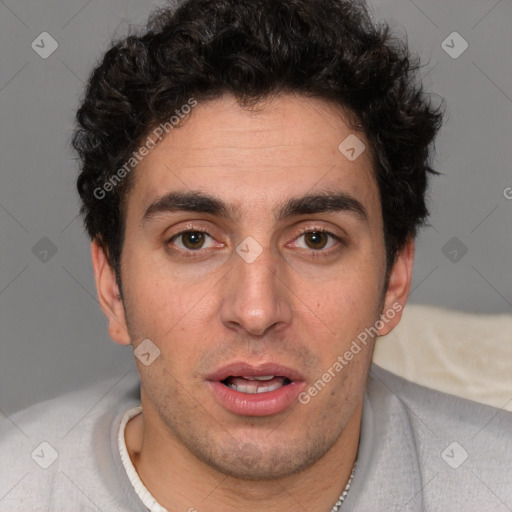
column 59, row 416
column 442, row 411
column 463, row 448
column 53, row 452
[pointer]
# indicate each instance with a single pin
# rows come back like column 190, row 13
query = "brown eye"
column 316, row 239
column 193, row 239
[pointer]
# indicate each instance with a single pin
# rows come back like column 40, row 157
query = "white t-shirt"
column 142, row 492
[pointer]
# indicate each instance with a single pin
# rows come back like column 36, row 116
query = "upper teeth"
column 253, row 385
column 263, row 377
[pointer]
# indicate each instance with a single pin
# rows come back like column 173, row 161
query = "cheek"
column 347, row 301
column 336, row 330
column 178, row 317
column 155, row 300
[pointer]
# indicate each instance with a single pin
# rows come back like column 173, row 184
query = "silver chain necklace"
column 343, row 495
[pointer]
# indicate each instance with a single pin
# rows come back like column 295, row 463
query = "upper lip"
column 243, row 369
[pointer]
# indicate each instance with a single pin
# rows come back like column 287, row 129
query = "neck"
column 187, row 483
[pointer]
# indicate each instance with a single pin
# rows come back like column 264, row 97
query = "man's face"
column 303, row 284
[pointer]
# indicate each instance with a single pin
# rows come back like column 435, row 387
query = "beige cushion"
column 464, row 354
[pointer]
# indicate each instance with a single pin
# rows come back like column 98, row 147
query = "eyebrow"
column 321, row 203
column 188, row 201
column 199, row 202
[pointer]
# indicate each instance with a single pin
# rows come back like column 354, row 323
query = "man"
column 253, row 175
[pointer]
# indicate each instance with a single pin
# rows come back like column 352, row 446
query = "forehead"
column 259, row 157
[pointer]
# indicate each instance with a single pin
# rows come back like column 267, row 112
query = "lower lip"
column 256, row 404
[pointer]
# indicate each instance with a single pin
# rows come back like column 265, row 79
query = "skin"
column 298, row 304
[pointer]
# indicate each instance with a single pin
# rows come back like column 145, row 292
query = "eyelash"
column 322, row 253
column 189, row 253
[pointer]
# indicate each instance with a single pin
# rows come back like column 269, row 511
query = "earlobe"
column 398, row 288
column 109, row 296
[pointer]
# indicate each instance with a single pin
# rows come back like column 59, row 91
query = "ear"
column 398, row 289
column 108, row 295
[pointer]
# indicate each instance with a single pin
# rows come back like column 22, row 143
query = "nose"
column 255, row 296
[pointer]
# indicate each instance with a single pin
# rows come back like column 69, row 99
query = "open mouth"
column 248, row 389
column 253, row 385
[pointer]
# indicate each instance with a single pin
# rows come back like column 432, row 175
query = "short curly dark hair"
column 253, row 49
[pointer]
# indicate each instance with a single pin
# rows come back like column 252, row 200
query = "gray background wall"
column 53, row 333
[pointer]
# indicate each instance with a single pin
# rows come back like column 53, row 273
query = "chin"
column 262, row 460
